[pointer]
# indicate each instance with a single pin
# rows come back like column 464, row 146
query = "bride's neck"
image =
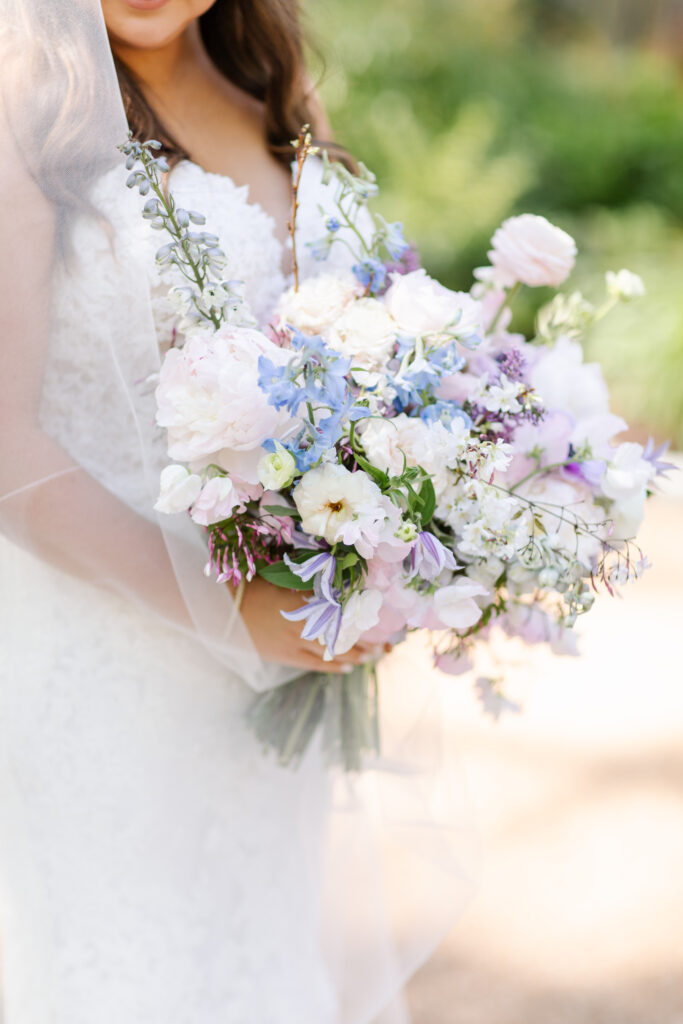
column 165, row 69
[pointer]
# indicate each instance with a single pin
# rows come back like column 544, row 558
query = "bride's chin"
column 150, row 24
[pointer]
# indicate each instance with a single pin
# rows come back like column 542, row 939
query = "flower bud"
column 624, row 285
column 276, row 469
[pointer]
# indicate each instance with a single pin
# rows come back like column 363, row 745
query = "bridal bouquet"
column 393, row 449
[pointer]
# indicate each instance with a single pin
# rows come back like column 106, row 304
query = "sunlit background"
column 469, row 111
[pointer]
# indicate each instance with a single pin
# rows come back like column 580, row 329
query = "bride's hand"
column 277, row 639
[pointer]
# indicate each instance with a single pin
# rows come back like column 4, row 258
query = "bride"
column 155, row 865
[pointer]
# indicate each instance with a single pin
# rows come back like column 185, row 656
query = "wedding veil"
column 396, row 857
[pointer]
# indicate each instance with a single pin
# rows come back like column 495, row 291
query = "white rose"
column 531, row 250
column 359, row 616
column 624, row 285
column 420, row 306
column 318, row 303
column 178, row 489
column 365, row 332
column 455, row 606
column 627, row 474
column 341, row 506
column 276, row 469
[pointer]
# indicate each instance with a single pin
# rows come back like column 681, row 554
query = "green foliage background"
column 470, row 110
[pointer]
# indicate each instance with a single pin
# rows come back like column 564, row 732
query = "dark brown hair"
column 258, row 46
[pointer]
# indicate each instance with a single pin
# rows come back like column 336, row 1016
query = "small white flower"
column 178, row 489
column 276, row 469
column 624, row 285
column 501, row 397
column 455, row 605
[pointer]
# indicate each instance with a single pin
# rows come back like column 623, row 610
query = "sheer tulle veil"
column 397, row 853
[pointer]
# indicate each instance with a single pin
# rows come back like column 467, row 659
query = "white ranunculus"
column 627, row 474
column 365, row 332
column 209, row 400
column 276, row 469
column 318, row 302
column 624, row 285
column 360, row 614
column 564, row 382
column 178, row 489
column 341, row 506
column 455, row 606
column 421, row 306
column 531, row 250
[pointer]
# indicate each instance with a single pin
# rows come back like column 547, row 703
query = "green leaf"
column 281, row 575
column 349, row 559
column 380, row 478
column 428, row 501
column 282, row 510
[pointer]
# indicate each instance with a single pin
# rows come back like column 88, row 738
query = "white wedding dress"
column 155, row 866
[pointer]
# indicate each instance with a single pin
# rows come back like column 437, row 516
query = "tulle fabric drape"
column 397, row 848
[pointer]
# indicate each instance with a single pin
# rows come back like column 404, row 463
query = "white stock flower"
column 360, row 614
column 455, row 606
column 341, row 506
column 318, row 303
column 217, row 501
column 627, row 516
column 624, row 285
column 276, row 469
column 421, row 306
column 628, row 473
column 365, row 332
column 178, row 489
column 530, row 250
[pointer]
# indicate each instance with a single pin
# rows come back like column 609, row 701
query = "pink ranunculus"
column 532, row 251
column 420, row 305
column 209, row 400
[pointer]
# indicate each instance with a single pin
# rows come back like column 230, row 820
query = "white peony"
column 421, row 306
column 624, row 285
column 178, row 488
column 628, row 473
column 276, row 469
column 209, row 400
column 318, row 303
column 433, row 446
column 217, row 501
column 455, row 606
column 365, row 332
column 531, row 250
column 341, row 506
column 360, row 614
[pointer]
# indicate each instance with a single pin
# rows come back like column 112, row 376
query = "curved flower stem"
column 507, row 302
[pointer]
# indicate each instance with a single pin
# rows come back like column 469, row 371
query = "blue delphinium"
column 371, row 273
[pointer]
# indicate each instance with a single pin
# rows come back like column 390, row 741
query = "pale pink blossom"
column 532, row 251
column 421, row 306
column 218, row 500
column 455, row 606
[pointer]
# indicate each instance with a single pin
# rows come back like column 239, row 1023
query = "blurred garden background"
column 471, row 110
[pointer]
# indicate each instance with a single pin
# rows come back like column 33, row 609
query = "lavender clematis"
column 322, row 613
column 428, row 557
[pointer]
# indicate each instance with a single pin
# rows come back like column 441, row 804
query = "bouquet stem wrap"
column 346, row 707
